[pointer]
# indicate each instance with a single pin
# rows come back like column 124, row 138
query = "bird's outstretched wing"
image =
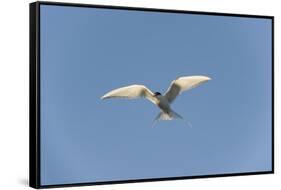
column 182, row 84
column 131, row 92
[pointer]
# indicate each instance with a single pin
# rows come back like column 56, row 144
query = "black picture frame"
column 34, row 92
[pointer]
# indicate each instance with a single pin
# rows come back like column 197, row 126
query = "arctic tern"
column 162, row 101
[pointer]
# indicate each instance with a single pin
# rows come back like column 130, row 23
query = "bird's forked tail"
column 168, row 116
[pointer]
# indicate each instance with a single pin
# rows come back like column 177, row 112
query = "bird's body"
column 162, row 101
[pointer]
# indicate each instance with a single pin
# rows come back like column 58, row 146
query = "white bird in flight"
column 162, row 101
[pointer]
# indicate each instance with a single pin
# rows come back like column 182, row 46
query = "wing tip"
column 208, row 78
column 205, row 78
column 103, row 97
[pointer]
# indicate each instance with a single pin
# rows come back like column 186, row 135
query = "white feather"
column 131, row 92
column 182, row 84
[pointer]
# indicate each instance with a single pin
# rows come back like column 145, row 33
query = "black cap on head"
column 157, row 93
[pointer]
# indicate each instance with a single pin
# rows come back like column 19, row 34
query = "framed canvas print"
column 123, row 94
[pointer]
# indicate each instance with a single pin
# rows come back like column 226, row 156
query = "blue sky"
column 86, row 52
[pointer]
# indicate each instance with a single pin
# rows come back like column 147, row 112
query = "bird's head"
column 157, row 94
